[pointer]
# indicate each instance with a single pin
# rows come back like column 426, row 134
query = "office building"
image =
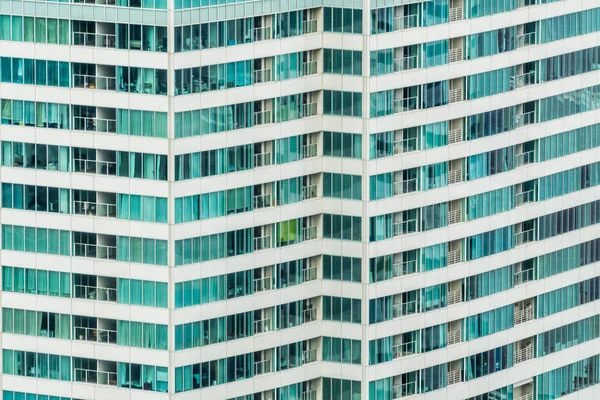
column 300, row 199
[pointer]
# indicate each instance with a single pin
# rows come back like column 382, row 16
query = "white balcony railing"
column 406, row 22
column 263, row 284
column 525, row 119
column 454, row 216
column 262, row 326
column 99, row 251
column 453, row 337
column 524, row 80
column 524, row 158
column 262, row 159
column 95, row 334
column 455, row 55
column 404, row 146
column 524, row 354
column 309, row 26
column 526, row 396
column 405, row 104
column 94, row 209
column 522, row 277
column 262, row 75
column 455, row 14
column 404, row 390
column 404, row 268
column 262, row 243
column 310, row 395
column 94, row 82
column 309, row 150
column 262, row 367
column 309, row 232
column 95, row 293
column 524, row 197
column 455, row 135
column 309, row 68
column 526, row 39
column 309, row 356
column 310, row 274
column 94, row 39
column 94, row 124
column 310, row 109
column 455, row 95
column 404, row 349
column 262, row 33
column 454, row 377
column 95, row 377
column 455, row 176
column 404, row 227
column 454, row 297
column 405, row 63
column 262, row 117
column 407, row 186
column 402, row 309
column 262, row 201
column 524, row 237
column 454, row 256
column 523, row 315
column 310, row 314
column 309, row 192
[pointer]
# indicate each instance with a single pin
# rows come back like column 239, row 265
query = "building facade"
column 300, row 199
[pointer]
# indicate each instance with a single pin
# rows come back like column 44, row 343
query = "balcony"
column 455, row 176
column 406, row 22
column 309, row 150
column 524, row 198
column 309, row 192
column 526, row 39
column 524, row 237
column 455, row 135
column 262, row 75
column 453, row 337
column 95, row 293
column 95, row 335
column 524, row 158
column 404, row 227
column 94, row 124
column 455, row 95
column 263, row 284
column 309, row 356
column 262, row 117
column 309, row 68
column 94, row 166
column 309, row 109
column 454, row 256
column 262, row 201
column 454, row 216
column 523, row 80
column 262, row 243
column 403, row 309
column 94, row 209
column 262, row 160
column 454, row 297
column 310, row 274
column 523, row 315
column 309, row 315
column 262, row 326
column 455, row 14
column 523, row 354
column 106, row 40
column 405, row 63
column 404, row 268
column 404, row 349
column 454, row 377
column 522, row 277
column 95, row 377
column 455, row 55
column 262, row 33
column 310, row 395
column 103, row 252
column 262, row 367
column 404, row 390
column 309, row 26
column 405, row 104
column 309, row 232
column 407, row 186
column 526, row 118
column 404, row 146
column 94, row 82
